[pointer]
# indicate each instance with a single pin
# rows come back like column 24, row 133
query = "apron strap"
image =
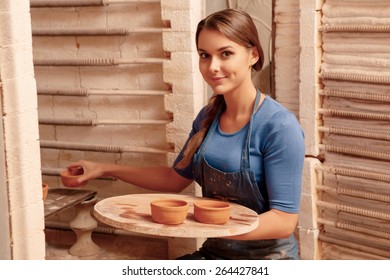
column 210, row 133
column 245, row 151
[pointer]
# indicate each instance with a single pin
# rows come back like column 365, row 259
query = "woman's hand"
column 92, row 170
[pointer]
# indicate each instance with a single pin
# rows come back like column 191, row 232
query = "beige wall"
column 21, row 184
column 143, row 144
column 343, row 103
column 181, row 93
column 152, row 81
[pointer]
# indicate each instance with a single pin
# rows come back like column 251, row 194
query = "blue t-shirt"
column 277, row 153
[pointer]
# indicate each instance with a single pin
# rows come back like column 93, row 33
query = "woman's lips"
column 216, row 79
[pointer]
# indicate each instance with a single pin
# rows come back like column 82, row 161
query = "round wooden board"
column 132, row 213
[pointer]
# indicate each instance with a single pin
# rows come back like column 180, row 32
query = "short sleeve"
column 283, row 163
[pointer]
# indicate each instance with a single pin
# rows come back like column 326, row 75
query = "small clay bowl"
column 45, row 190
column 212, row 211
column 169, row 211
column 69, row 177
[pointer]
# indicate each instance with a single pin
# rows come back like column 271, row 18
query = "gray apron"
column 238, row 187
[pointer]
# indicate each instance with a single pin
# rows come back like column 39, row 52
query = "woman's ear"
column 255, row 56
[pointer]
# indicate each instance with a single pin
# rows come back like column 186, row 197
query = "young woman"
column 244, row 146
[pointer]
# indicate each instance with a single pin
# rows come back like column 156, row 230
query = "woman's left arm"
column 284, row 154
column 273, row 224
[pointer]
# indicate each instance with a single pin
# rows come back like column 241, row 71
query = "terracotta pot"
column 69, row 177
column 169, row 211
column 45, row 190
column 211, row 211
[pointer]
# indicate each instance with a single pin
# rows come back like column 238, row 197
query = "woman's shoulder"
column 274, row 115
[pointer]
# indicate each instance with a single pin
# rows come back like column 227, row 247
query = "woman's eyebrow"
column 220, row 49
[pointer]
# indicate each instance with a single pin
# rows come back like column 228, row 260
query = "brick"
column 182, row 20
column 21, row 140
column 308, row 244
column 309, row 34
column 183, row 63
column 13, row 6
column 310, row 5
column 309, row 117
column 310, row 62
column 311, row 145
column 19, row 96
column 286, row 6
column 310, row 176
column 25, row 189
column 181, row 83
column 31, row 245
column 25, row 192
column 308, row 212
column 15, row 29
column 176, row 4
column 17, row 62
column 174, row 41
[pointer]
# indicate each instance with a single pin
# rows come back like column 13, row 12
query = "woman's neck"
column 239, row 109
column 240, row 102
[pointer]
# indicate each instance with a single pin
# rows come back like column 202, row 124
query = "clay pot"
column 211, row 211
column 69, row 177
column 169, row 211
column 45, row 190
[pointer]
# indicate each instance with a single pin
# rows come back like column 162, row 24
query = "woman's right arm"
column 164, row 179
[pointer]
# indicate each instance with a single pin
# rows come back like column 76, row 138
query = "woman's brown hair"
column 239, row 27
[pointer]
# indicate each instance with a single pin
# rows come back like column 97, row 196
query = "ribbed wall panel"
column 355, row 145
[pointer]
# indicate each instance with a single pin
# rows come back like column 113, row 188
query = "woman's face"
column 224, row 64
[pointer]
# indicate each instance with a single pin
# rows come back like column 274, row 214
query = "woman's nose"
column 214, row 65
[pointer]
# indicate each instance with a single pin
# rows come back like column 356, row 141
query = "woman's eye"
column 226, row 54
column 203, row 55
